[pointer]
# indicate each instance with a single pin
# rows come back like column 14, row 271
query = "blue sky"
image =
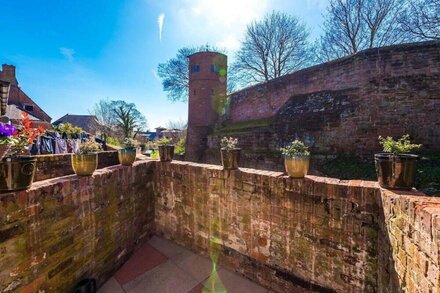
column 70, row 54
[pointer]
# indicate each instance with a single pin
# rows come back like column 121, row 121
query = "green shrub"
column 295, row 148
column 400, row 146
column 164, row 141
column 228, row 143
column 179, row 148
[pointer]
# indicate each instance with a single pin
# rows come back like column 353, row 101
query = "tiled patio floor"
column 161, row 266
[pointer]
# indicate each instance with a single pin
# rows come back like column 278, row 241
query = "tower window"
column 195, row 68
column 214, row 68
column 194, row 92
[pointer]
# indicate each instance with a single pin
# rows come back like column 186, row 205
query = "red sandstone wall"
column 207, row 93
column 344, row 105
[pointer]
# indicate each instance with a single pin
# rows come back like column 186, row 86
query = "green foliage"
column 179, row 149
column 113, row 141
column 295, row 148
column 164, row 141
column 130, row 143
column 68, row 128
column 348, row 167
column 89, row 146
column 228, row 143
column 155, row 155
column 400, row 146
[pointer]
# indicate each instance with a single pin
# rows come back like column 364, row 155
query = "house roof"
column 88, row 123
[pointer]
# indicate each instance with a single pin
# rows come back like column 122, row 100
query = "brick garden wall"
column 291, row 235
column 51, row 166
column 294, row 235
column 67, row 228
column 340, row 106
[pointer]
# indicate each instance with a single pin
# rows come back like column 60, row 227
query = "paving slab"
column 165, row 278
column 111, row 286
column 143, row 260
column 174, row 252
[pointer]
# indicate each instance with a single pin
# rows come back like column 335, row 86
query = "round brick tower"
column 207, row 94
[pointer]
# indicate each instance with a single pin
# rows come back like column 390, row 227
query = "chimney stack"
column 8, row 74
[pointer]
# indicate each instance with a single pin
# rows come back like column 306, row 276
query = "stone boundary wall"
column 68, row 228
column 52, row 166
column 291, row 235
column 294, row 235
column 410, row 242
column 338, row 107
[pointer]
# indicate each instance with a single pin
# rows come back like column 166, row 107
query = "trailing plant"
column 295, row 148
column 400, row 146
column 164, row 141
column 228, row 143
column 88, row 147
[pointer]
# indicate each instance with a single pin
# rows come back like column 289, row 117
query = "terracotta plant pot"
column 17, row 173
column 127, row 156
column 84, row 165
column 396, row 171
column 297, row 166
column 166, row 153
column 230, row 159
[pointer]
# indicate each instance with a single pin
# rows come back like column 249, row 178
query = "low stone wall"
column 294, row 235
column 290, row 235
column 410, row 242
column 65, row 229
column 52, row 166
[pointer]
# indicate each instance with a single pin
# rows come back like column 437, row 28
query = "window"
column 29, row 107
column 194, row 92
column 195, row 68
column 215, row 68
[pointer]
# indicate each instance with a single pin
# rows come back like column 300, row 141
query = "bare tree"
column 104, row 112
column 177, row 124
column 272, row 47
column 354, row 25
column 421, row 20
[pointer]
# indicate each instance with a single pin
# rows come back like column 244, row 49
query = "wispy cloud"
column 68, row 53
column 154, row 72
column 160, row 21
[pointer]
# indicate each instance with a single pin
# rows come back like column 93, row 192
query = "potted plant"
column 166, row 149
column 85, row 161
column 230, row 154
column 396, row 167
column 296, row 159
column 127, row 155
column 6, row 138
column 17, row 167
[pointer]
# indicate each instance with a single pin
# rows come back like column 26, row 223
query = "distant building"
column 19, row 101
column 89, row 123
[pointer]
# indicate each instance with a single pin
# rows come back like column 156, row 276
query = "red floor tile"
column 143, row 260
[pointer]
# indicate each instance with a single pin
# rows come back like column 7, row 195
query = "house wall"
column 17, row 96
column 340, row 106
